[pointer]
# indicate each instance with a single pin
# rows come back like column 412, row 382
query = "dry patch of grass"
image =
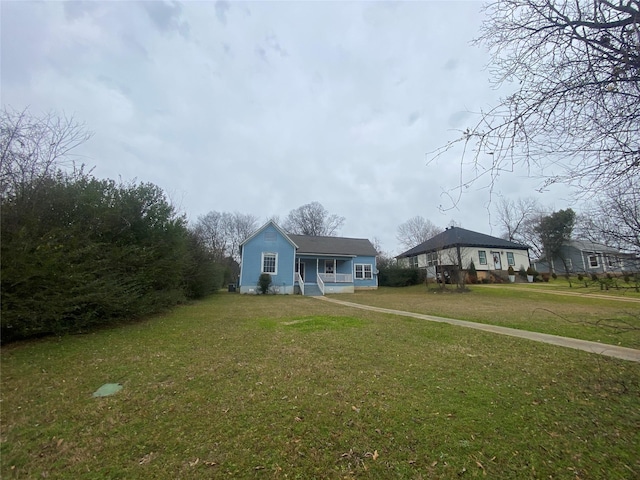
column 290, row 387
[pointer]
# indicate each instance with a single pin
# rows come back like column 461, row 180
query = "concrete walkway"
column 592, row 347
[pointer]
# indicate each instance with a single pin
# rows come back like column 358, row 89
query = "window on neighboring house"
column 363, row 271
column 612, row 261
column 413, row 262
column 593, row 261
column 482, row 255
column 510, row 259
column 269, row 263
column 432, row 259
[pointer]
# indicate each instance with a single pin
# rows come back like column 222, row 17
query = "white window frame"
column 511, row 259
column 365, row 273
column 275, row 265
column 413, row 262
column 482, row 253
column 432, row 259
column 594, row 257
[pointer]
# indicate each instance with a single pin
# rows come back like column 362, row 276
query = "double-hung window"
column 482, row 255
column 510, row 259
column 593, row 261
column 413, row 262
column 363, row 271
column 269, row 263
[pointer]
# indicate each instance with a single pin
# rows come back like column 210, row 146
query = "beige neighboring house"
column 456, row 247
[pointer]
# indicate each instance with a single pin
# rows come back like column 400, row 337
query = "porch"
column 318, row 276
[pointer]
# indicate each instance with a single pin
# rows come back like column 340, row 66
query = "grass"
column 291, row 387
column 582, row 315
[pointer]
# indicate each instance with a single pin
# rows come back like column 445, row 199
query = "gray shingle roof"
column 460, row 237
column 333, row 245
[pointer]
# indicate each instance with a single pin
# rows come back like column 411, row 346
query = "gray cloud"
column 287, row 104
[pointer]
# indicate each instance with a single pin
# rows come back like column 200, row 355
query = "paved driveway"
column 592, row 347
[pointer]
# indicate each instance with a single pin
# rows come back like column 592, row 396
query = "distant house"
column 456, row 247
column 308, row 265
column 585, row 256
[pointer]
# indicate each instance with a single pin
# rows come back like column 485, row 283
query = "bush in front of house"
column 264, row 283
column 395, row 276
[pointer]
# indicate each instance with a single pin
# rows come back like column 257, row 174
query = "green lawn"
column 587, row 314
column 291, row 387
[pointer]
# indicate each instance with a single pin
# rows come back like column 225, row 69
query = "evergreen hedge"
column 78, row 252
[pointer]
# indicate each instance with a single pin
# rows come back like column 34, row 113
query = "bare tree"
column 32, row 148
column 614, row 219
column 513, row 216
column 239, row 226
column 223, row 232
column 313, row 219
column 574, row 117
column 210, row 229
column 415, row 231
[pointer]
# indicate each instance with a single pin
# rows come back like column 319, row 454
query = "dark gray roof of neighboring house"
column 460, row 237
column 589, row 246
column 333, row 245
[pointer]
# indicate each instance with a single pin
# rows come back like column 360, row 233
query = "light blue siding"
column 367, row 282
column 268, row 240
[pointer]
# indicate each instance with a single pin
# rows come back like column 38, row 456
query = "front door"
column 497, row 263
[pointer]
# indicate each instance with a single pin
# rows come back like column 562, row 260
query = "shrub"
column 264, row 282
column 473, row 274
column 511, row 271
column 395, row 276
column 522, row 272
column 594, row 277
column 580, row 277
column 554, row 275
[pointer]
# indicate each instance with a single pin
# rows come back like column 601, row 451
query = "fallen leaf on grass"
column 147, row 458
column 373, row 455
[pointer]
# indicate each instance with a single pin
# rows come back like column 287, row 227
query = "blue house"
column 308, row 265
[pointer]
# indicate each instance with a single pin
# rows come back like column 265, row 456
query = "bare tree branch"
column 32, row 148
column 574, row 115
column 313, row 219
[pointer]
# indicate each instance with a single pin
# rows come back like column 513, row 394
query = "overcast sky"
column 263, row 107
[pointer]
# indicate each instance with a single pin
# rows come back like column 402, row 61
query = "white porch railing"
column 300, row 282
column 336, row 277
column 321, row 284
